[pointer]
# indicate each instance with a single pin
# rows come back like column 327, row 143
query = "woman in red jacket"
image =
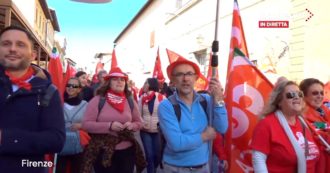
column 318, row 115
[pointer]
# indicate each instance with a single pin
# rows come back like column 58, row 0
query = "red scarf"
column 21, row 81
column 147, row 97
column 116, row 100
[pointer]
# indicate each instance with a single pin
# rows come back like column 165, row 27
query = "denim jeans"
column 151, row 145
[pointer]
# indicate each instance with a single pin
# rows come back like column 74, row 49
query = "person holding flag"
column 188, row 135
column 281, row 141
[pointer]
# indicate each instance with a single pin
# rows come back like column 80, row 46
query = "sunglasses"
column 72, row 86
column 315, row 93
column 291, row 95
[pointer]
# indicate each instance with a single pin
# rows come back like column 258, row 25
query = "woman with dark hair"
column 113, row 148
column 74, row 109
column 281, row 141
column 318, row 115
column 150, row 137
column 87, row 91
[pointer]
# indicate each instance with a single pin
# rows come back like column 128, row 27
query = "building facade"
column 36, row 17
column 187, row 27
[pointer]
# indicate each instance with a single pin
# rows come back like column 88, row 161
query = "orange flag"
column 237, row 41
column 113, row 60
column 56, row 72
column 247, row 91
column 201, row 82
column 237, row 35
column 158, row 73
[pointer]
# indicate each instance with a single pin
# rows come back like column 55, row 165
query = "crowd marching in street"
column 111, row 126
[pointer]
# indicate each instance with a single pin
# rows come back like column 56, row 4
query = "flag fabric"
column 99, row 67
column 201, row 82
column 237, row 35
column 56, row 72
column 157, row 72
column 237, row 41
column 247, row 91
column 70, row 72
column 327, row 92
column 113, row 60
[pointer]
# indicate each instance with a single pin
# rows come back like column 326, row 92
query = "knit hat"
column 180, row 61
column 116, row 72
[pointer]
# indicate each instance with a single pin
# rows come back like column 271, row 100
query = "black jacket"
column 29, row 130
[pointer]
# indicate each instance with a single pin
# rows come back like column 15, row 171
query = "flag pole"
column 214, row 64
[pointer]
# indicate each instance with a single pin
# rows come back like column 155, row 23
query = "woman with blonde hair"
column 281, row 141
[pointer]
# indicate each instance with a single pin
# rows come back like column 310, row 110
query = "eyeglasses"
column 315, row 93
column 180, row 74
column 72, row 86
column 291, row 95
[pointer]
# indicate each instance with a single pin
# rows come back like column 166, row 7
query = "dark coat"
column 29, row 130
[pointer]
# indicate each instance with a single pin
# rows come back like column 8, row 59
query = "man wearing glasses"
column 188, row 135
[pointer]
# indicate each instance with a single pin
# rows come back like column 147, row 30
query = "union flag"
column 157, row 72
column 247, row 91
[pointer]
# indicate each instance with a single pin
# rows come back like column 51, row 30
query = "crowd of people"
column 94, row 129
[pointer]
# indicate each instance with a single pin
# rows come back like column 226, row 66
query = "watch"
column 220, row 103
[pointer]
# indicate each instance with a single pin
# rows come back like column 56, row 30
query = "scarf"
column 299, row 151
column 73, row 101
column 116, row 100
column 147, row 97
column 21, row 81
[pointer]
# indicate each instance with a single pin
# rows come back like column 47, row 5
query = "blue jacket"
column 185, row 146
column 29, row 131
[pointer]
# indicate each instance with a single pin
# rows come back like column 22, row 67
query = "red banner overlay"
column 273, row 24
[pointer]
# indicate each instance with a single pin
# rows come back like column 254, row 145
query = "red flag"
column 201, row 82
column 56, row 72
column 327, row 92
column 237, row 41
column 158, row 73
column 70, row 72
column 247, row 91
column 237, row 35
column 99, row 67
column 113, row 60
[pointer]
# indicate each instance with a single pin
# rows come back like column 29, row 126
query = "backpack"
column 102, row 102
column 177, row 110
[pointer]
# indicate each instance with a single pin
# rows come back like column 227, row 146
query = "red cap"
column 180, row 61
column 116, row 72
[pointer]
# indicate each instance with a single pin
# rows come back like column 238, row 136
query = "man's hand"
column 208, row 134
column 216, row 89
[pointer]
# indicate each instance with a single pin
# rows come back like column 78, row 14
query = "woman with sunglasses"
column 74, row 109
column 113, row 148
column 318, row 115
column 281, row 141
